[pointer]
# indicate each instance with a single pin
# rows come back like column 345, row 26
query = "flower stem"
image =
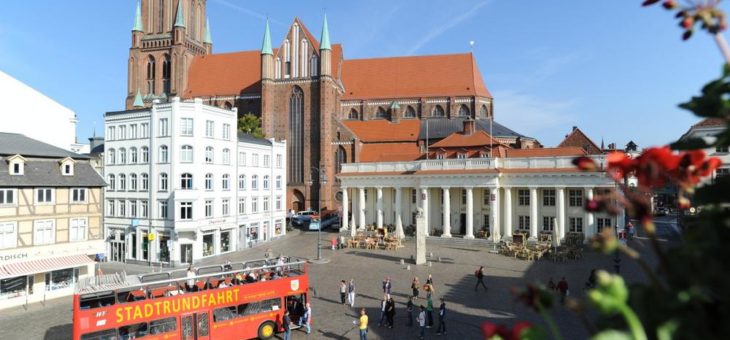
column 551, row 323
column 634, row 255
column 637, row 330
column 722, row 44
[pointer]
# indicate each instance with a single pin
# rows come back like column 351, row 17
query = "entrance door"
column 195, row 326
column 118, row 251
column 462, row 224
column 186, row 253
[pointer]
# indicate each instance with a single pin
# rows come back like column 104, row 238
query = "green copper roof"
column 208, row 39
column 138, row 19
column 394, row 105
column 180, row 18
column 266, row 46
column 138, row 100
column 324, row 43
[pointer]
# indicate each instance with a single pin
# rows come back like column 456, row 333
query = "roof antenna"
column 471, row 46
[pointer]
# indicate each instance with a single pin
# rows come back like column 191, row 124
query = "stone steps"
column 458, row 241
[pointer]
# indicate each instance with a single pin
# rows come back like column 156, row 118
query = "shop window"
column 225, row 241
column 59, row 279
column 208, row 245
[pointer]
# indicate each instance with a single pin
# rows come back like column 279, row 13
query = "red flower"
column 585, row 163
column 490, row 330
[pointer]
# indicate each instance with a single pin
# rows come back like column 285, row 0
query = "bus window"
column 109, row 334
column 203, row 324
column 96, row 300
column 163, row 325
column 259, row 307
column 225, row 313
column 133, row 331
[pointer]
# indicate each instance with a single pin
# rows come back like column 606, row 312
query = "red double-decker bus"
column 232, row 301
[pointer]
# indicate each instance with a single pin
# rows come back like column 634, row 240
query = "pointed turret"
column 138, row 99
column 208, row 39
column 138, row 19
column 266, row 46
column 180, row 17
column 324, row 42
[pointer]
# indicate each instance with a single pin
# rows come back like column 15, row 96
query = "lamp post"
column 322, row 179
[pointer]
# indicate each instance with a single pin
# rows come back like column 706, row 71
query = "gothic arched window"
column 296, row 136
column 410, row 112
column 484, row 112
column 353, row 114
column 463, row 110
column 166, row 68
column 193, row 26
column 382, row 113
column 438, row 111
column 151, row 75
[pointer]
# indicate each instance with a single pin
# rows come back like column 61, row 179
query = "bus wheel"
column 266, row 330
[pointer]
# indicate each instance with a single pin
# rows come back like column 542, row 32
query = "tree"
column 250, row 124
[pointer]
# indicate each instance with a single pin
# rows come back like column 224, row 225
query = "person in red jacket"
column 563, row 289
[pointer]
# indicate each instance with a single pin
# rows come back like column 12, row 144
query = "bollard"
column 402, row 262
column 429, row 263
column 408, row 267
column 439, row 258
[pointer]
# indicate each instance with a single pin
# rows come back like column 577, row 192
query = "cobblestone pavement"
column 453, row 279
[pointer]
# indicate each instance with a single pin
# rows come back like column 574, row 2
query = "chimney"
column 575, row 128
column 468, row 126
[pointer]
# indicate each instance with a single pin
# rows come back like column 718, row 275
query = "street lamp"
column 322, row 176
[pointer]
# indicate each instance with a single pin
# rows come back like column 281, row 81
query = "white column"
column 355, row 210
column 361, row 206
column 379, row 203
column 345, row 209
column 561, row 212
column 508, row 213
column 469, row 213
column 447, row 213
column 494, row 224
column 424, row 206
column 533, row 213
column 398, row 219
column 590, row 227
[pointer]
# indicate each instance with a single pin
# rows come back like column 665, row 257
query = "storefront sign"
column 13, row 257
column 92, row 247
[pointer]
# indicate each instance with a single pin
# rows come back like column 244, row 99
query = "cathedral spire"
column 266, row 46
column 138, row 99
column 324, row 43
column 138, row 19
column 180, row 17
column 208, row 39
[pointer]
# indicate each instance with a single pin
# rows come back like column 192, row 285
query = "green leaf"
column 666, row 330
column 533, row 333
column 612, row 334
column 689, row 144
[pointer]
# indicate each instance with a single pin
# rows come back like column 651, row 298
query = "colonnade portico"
column 500, row 208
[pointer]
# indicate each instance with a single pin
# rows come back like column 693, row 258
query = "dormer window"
column 461, row 155
column 16, row 165
column 67, row 166
column 440, row 155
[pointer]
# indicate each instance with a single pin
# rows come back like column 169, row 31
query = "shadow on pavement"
column 60, row 332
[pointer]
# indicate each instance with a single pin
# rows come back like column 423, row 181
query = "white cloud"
column 249, row 12
column 541, row 118
column 438, row 30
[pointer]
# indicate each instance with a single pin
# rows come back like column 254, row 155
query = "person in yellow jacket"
column 363, row 325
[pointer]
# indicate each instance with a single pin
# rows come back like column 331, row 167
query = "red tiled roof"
column 224, row 74
column 389, row 152
column 579, row 139
column 458, row 139
column 380, row 130
column 413, row 77
column 708, row 122
column 546, row 152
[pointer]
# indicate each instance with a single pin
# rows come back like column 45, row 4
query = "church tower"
column 166, row 35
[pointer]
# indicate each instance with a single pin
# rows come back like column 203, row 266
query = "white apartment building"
column 174, row 194
column 708, row 129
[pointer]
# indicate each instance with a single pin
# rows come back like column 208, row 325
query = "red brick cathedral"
column 330, row 110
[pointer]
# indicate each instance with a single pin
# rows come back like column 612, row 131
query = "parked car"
column 661, row 211
column 331, row 221
column 303, row 217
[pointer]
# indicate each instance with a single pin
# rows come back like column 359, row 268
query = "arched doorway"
column 297, row 201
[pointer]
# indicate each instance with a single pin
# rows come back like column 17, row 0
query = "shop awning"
column 42, row 266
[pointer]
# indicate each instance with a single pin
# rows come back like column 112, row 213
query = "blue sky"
column 612, row 68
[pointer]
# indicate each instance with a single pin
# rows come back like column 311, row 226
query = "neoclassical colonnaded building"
column 308, row 93
column 470, row 183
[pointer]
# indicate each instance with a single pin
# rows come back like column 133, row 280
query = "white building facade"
column 173, row 195
column 469, row 197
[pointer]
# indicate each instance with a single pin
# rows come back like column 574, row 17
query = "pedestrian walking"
column 363, row 324
column 383, row 304
column 429, row 290
column 390, row 311
column 191, row 281
column 551, row 284
column 286, row 324
column 563, row 289
column 429, row 281
column 429, row 312
column 409, row 309
column 343, row 291
column 305, row 320
column 630, row 230
column 422, row 322
column 480, row 278
column 415, row 286
column 591, row 283
column 351, row 293
column 442, row 315
column 387, row 285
